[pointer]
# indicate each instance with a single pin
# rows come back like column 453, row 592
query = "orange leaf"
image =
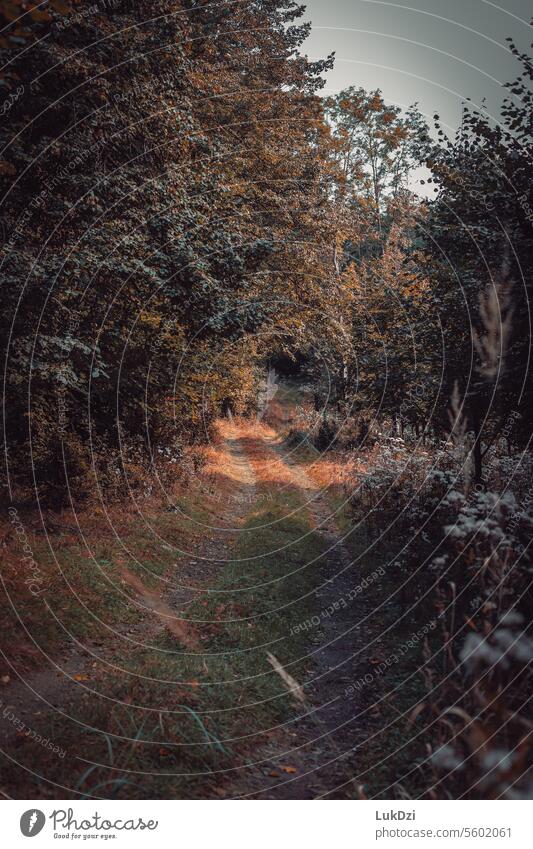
column 7, row 167
column 60, row 6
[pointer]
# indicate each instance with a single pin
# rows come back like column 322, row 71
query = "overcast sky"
column 436, row 52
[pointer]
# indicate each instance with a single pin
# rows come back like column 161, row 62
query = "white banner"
column 268, row 825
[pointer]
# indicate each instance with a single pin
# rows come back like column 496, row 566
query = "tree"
column 374, row 146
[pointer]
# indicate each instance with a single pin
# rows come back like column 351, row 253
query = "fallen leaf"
column 5, row 679
column 289, row 769
column 81, row 677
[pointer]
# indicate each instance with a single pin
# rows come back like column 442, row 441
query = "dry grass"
column 337, row 470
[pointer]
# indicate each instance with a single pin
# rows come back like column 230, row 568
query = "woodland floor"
column 234, row 697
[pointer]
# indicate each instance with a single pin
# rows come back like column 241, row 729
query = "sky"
column 436, row 52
